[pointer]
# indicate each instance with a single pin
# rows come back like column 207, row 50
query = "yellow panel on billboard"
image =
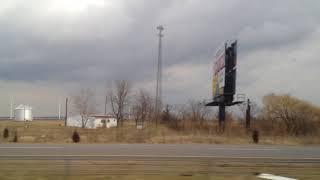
column 215, row 86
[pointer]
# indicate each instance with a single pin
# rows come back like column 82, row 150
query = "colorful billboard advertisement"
column 219, row 71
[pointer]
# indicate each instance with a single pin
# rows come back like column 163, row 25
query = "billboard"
column 224, row 75
column 219, row 71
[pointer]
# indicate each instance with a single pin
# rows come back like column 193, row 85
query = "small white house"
column 76, row 121
column 105, row 121
column 94, row 121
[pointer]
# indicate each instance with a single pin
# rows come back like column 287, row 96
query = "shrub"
column 297, row 116
column 75, row 137
column 255, row 136
column 5, row 133
column 15, row 138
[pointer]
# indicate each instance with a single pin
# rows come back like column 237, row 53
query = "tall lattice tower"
column 159, row 76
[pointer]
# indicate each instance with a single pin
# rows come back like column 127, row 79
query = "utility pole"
column 59, row 109
column 24, row 113
column 11, row 108
column 105, row 105
column 66, row 113
column 159, row 76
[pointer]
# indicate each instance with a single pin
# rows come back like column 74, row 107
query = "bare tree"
column 182, row 114
column 118, row 97
column 84, row 105
column 143, row 107
column 198, row 112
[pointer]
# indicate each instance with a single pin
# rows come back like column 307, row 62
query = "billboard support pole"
column 248, row 115
column 222, row 117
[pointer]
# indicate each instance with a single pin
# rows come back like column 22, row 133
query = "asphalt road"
column 136, row 151
column 103, row 161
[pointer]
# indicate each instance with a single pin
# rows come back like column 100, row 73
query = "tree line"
column 278, row 114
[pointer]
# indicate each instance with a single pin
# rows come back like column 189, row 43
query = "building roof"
column 103, row 116
column 23, row 107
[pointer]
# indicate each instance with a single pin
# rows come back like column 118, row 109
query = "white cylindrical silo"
column 23, row 113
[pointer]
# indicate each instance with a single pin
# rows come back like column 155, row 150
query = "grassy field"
column 55, row 132
column 153, row 170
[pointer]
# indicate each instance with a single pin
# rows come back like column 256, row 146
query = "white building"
column 103, row 121
column 23, row 113
column 94, row 121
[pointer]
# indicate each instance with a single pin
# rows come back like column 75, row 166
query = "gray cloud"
column 98, row 44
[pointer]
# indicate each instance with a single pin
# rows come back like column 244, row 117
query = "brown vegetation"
column 282, row 120
column 53, row 132
column 75, row 137
column 284, row 114
column 5, row 133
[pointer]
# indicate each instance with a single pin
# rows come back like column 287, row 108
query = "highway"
column 85, row 161
column 74, row 151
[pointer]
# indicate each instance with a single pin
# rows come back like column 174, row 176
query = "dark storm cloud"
column 103, row 44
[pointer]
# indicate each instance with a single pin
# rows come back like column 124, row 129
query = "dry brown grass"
column 54, row 132
column 152, row 169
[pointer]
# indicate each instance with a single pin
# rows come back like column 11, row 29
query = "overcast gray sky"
column 51, row 48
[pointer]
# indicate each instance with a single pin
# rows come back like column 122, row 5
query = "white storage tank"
column 23, row 113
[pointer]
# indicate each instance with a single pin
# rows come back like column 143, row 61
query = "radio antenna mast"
column 159, row 76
